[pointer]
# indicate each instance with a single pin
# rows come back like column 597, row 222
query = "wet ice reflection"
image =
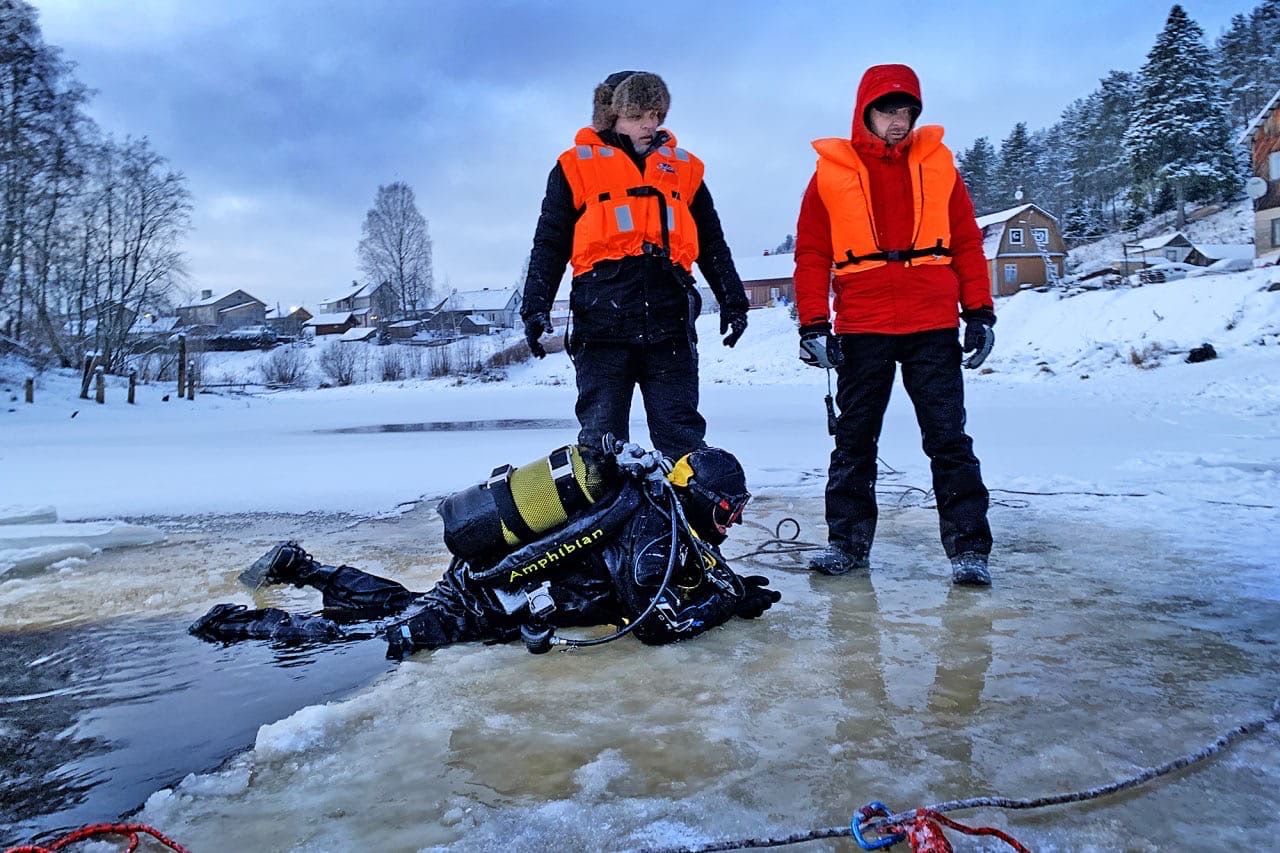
column 1077, row 669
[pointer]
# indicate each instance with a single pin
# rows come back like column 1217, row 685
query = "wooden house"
column 1262, row 139
column 498, row 307
column 1024, row 248
column 223, row 313
column 403, row 330
column 290, row 323
column 768, row 279
column 369, row 304
column 338, row 323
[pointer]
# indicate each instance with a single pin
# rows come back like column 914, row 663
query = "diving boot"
column 970, row 569
column 285, row 563
column 835, row 560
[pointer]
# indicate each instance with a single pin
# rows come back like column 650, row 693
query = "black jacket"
column 638, row 299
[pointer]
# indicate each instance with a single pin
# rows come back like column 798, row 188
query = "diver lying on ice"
column 564, row 541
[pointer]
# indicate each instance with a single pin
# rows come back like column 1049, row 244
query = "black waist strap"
column 662, row 214
column 936, row 251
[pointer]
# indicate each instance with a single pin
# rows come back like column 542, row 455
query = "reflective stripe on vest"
column 623, row 212
column 843, row 184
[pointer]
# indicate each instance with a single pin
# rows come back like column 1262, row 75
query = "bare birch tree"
column 395, row 247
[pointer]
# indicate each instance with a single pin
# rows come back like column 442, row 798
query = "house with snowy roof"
column 369, row 304
column 1262, row 139
column 336, row 323
column 1024, row 248
column 288, row 321
column 482, row 310
column 223, row 313
column 769, row 279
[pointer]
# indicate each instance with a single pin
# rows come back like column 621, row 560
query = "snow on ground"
column 1135, row 499
column 1233, row 225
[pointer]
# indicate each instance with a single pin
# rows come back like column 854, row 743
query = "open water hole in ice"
column 458, row 426
column 95, row 717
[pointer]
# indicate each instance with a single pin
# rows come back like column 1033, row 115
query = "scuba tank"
column 517, row 506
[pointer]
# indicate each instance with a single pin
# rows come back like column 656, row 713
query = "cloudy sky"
column 286, row 115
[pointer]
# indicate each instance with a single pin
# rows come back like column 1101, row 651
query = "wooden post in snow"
column 182, row 364
column 31, row 389
column 191, row 381
column 86, row 375
column 133, row 386
column 101, row 376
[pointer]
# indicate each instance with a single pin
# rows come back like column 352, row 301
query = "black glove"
column 736, row 320
column 979, row 338
column 818, row 347
column 756, row 597
column 535, row 326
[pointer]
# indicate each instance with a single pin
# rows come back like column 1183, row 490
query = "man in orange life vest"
column 629, row 210
column 888, row 226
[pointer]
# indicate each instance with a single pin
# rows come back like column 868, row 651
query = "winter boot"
column 835, row 560
column 285, row 563
column 970, row 569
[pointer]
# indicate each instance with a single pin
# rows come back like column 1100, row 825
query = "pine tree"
column 1179, row 136
column 1049, row 181
column 1016, row 168
column 977, row 166
column 1239, row 51
column 1266, row 24
column 1098, row 166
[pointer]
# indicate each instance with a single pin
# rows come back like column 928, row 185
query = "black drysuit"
column 612, row 584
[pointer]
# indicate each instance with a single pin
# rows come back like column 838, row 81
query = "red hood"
column 880, row 80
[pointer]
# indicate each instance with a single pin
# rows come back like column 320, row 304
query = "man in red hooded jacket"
column 887, row 225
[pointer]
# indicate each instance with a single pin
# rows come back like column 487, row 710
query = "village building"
column 1024, row 248
column 223, row 313
column 1262, row 139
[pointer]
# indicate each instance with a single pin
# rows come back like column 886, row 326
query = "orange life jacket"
column 624, row 210
column 843, row 184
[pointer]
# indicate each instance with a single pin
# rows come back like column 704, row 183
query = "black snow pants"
column 931, row 374
column 667, row 373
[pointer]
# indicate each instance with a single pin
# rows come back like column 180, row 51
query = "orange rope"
column 925, row 835
column 94, row 830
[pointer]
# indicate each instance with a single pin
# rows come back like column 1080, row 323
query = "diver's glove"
column 756, row 597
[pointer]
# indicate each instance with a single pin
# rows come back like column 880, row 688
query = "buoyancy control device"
column 517, row 506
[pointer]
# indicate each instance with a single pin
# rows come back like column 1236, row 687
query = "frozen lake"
column 1099, row 651
column 1135, row 617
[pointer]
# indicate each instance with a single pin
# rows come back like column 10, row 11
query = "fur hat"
column 625, row 91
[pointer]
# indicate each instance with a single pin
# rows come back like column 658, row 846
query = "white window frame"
column 1273, row 165
column 1015, row 237
column 1040, row 236
column 1010, row 273
column 1171, row 254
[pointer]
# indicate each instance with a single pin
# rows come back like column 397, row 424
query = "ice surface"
column 1135, row 614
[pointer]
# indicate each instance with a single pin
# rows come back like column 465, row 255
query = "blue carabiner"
column 875, row 808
